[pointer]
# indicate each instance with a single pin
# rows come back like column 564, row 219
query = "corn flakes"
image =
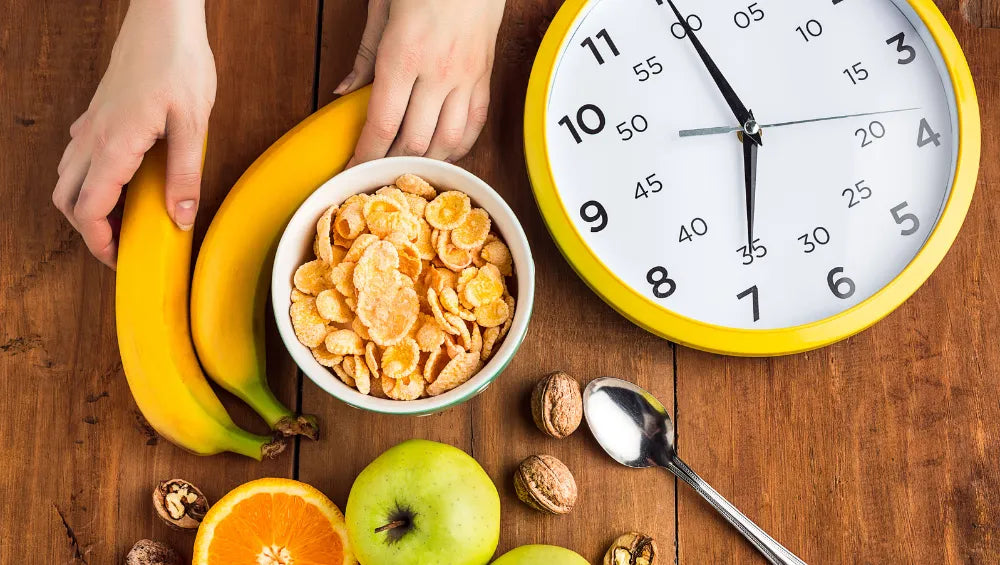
column 324, row 247
column 473, row 231
column 493, row 314
column 407, row 296
column 358, row 247
column 350, row 221
column 312, row 278
column 448, row 210
column 309, row 326
column 410, row 387
column 459, row 370
column 413, row 184
column 401, row 359
column 324, row 357
column 330, row 304
column 344, row 342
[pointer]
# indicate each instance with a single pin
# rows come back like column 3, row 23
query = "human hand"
column 431, row 62
column 160, row 83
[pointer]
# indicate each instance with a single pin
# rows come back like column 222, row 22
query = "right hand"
column 160, row 83
column 431, row 62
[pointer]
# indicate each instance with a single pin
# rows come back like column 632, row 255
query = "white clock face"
column 841, row 206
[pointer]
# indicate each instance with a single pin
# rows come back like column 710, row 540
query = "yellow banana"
column 151, row 308
column 233, row 272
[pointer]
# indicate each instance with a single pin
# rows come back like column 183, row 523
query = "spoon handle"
column 771, row 549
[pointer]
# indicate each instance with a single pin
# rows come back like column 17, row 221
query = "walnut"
column 149, row 552
column 545, row 484
column 557, row 405
column 631, row 549
column 180, row 504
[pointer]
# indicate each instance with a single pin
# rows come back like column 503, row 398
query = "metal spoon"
column 635, row 430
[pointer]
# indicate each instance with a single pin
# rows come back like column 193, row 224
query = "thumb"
column 364, row 64
column 185, row 150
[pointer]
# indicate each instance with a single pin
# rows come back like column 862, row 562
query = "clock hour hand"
column 730, row 129
column 750, row 179
column 743, row 115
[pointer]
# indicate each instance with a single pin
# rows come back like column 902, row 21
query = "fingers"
column 66, row 156
column 67, row 190
column 185, row 146
column 431, row 90
column 112, row 165
column 450, row 126
column 394, row 78
column 78, row 125
column 478, row 111
column 100, row 240
column 364, row 64
column 420, row 120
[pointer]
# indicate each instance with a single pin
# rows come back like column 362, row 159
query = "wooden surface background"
column 880, row 449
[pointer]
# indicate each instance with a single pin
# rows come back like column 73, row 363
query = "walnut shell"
column 545, row 484
column 149, row 552
column 557, row 405
column 631, row 549
column 179, row 504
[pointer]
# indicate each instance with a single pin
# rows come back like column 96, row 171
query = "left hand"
column 431, row 62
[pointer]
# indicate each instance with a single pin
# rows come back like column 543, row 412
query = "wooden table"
column 880, row 449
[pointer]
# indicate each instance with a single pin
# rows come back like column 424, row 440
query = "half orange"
column 273, row 522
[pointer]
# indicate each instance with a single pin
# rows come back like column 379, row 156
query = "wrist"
column 171, row 10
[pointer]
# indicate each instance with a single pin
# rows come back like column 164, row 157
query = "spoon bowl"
column 630, row 424
column 635, row 430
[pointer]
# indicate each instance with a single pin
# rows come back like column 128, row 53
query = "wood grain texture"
column 876, row 450
column 981, row 13
column 496, row 427
column 77, row 465
column 351, row 437
column 571, row 330
column 880, row 449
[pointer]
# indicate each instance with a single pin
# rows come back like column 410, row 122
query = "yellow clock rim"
column 744, row 342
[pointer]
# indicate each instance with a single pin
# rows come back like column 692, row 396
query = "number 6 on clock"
column 870, row 134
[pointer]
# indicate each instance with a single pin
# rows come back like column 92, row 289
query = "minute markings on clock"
column 750, row 133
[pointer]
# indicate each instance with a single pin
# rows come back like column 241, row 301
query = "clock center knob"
column 751, row 127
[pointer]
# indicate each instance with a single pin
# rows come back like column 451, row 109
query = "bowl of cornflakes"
column 403, row 286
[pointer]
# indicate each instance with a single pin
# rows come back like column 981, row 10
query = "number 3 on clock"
column 627, row 125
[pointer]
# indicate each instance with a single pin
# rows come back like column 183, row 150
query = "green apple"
column 425, row 503
column 540, row 555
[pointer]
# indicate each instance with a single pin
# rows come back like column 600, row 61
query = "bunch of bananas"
column 228, row 292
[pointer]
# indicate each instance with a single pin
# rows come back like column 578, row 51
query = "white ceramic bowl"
column 295, row 248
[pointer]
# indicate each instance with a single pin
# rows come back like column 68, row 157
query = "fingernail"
column 184, row 213
column 346, row 83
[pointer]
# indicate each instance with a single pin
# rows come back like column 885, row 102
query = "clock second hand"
column 730, row 129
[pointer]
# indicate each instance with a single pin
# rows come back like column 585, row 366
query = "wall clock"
column 752, row 178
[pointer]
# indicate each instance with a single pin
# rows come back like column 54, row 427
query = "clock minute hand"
column 743, row 115
column 730, row 129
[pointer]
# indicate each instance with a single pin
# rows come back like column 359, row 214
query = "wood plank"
column 77, row 457
column 496, row 427
column 874, row 450
column 571, row 330
column 351, row 437
column 981, row 13
column 880, row 449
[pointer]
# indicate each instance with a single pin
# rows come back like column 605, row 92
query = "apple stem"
column 391, row 526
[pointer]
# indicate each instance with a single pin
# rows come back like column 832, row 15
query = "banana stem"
column 260, row 397
column 253, row 445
